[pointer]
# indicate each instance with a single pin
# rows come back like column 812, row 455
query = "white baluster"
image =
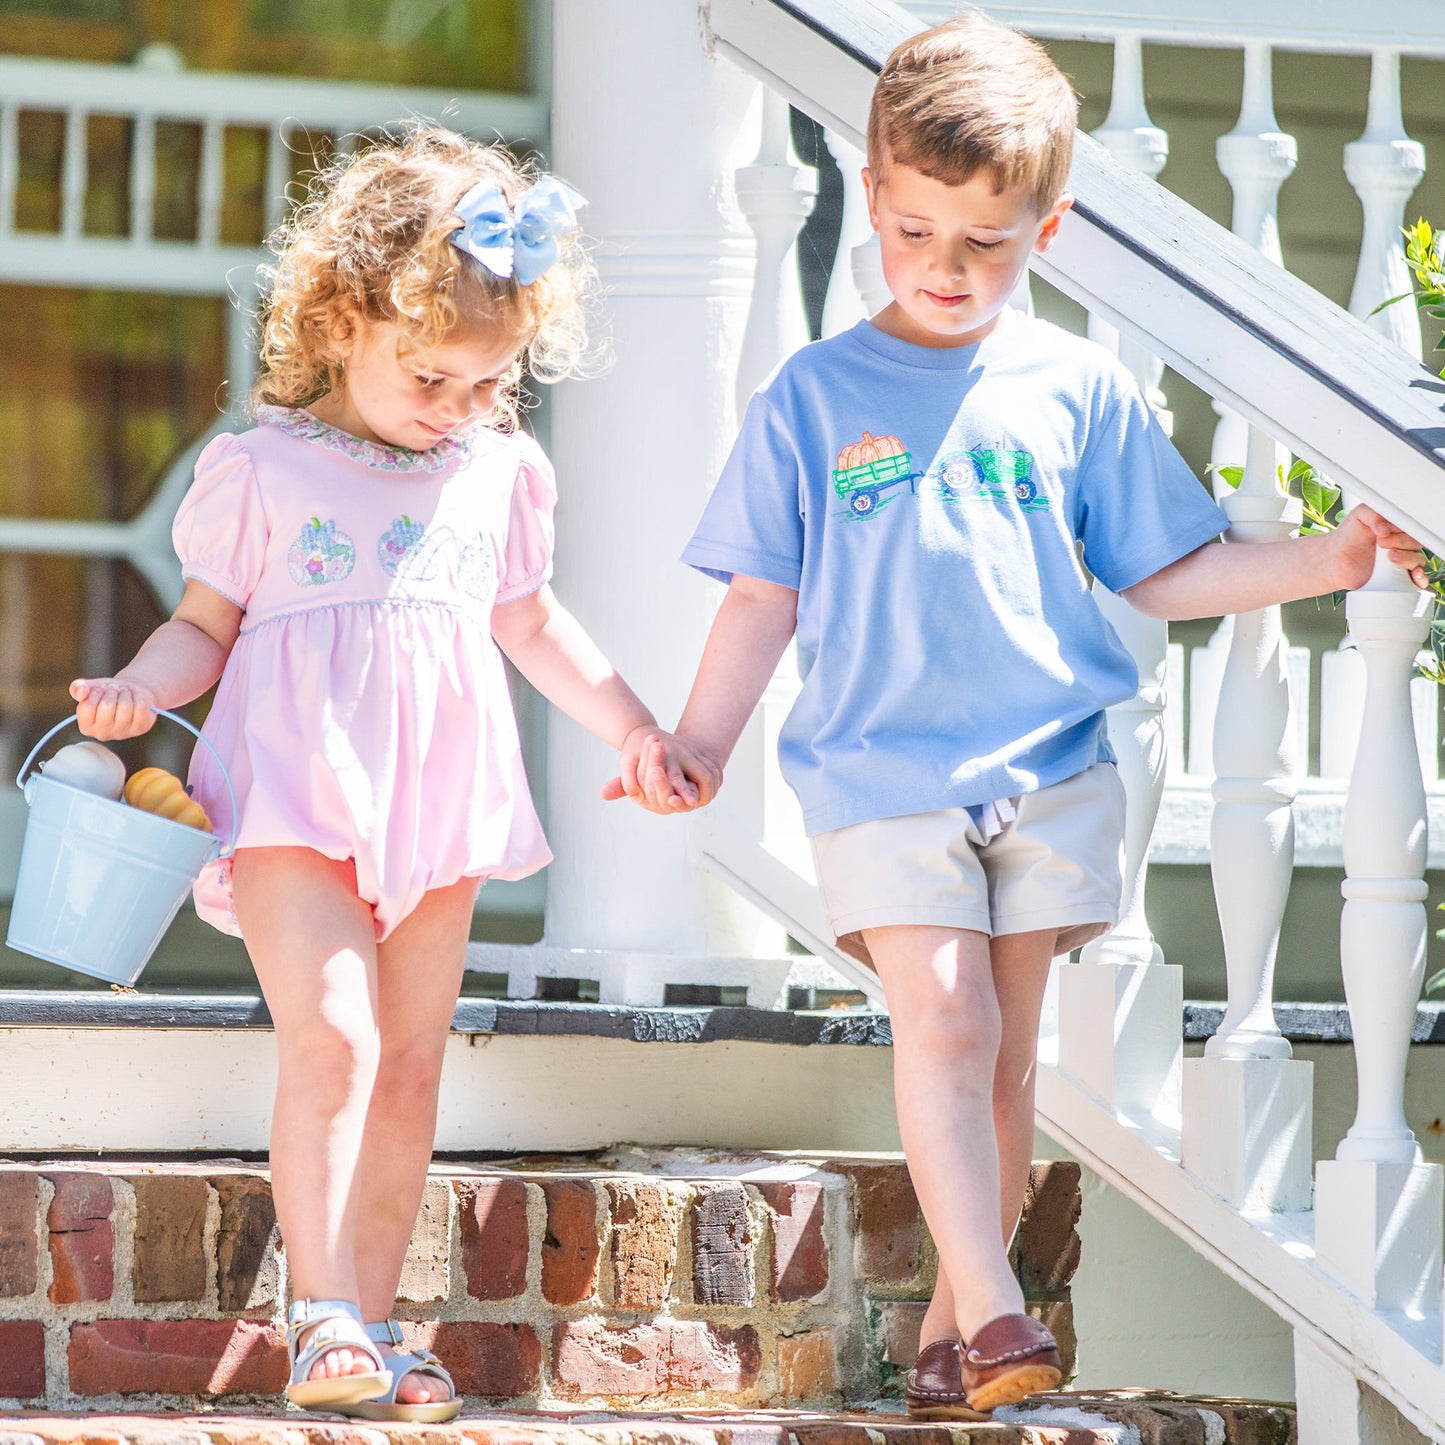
column 1255, row 734
column 143, row 179
column 1136, row 732
column 73, row 175
column 863, row 290
column 157, row 59
column 776, row 195
column 1383, row 924
column 1384, row 166
column 1131, row 137
column 1136, row 728
column 1378, row 1209
column 212, row 188
column 857, row 246
column 1256, row 762
column 278, row 172
column 1342, row 701
column 1256, row 158
column 1248, row 1105
column 9, row 166
column 1120, row 1005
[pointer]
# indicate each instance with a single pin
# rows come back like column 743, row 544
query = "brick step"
column 657, row 1278
column 1121, row 1417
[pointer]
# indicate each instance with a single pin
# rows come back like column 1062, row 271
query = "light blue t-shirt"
column 929, row 505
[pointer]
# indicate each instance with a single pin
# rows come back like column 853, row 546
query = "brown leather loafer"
column 1007, row 1360
column 934, row 1388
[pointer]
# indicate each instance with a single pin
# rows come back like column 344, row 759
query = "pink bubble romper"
column 364, row 709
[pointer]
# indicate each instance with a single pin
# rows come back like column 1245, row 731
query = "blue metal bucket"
column 100, row 881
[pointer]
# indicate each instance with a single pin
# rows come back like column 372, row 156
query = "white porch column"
column 648, row 127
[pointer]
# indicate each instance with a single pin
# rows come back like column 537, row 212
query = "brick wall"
column 666, row 1278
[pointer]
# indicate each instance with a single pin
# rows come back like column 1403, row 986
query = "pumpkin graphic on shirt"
column 399, row 542
column 867, row 470
column 320, row 554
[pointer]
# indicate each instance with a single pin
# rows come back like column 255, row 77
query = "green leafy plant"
column 1320, row 502
column 1425, row 256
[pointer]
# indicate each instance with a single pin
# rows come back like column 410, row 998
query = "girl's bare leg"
column 312, row 942
column 419, row 974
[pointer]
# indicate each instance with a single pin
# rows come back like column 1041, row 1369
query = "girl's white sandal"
column 333, row 1324
column 402, row 1364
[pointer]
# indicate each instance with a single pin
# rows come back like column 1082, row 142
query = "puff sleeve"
column 220, row 531
column 527, row 556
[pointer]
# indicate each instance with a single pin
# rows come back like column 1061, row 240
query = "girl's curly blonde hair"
column 372, row 240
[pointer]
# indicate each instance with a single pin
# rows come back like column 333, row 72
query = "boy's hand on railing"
column 1361, row 534
column 661, row 773
column 109, row 707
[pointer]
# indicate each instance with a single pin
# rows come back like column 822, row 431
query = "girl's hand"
column 662, row 773
column 109, row 708
column 1361, row 534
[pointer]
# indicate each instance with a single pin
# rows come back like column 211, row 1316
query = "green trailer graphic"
column 861, row 486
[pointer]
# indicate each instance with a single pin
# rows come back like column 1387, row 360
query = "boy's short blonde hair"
column 971, row 95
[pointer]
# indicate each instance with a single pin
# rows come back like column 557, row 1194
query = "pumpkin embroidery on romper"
column 320, row 554
column 868, row 470
column 400, row 541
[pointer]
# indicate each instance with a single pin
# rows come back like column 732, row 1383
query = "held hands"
column 109, row 708
column 1361, row 533
column 662, row 773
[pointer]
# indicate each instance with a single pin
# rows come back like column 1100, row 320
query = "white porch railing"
column 1219, row 1149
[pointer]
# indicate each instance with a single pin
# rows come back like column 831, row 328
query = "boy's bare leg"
column 1020, row 975
column 1018, row 966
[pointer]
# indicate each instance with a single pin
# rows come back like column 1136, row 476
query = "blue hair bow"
column 520, row 240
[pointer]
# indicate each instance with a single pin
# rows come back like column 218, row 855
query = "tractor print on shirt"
column 868, row 470
column 989, row 473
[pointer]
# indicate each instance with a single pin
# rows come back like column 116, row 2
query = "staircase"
column 567, row 1284
column 690, row 1294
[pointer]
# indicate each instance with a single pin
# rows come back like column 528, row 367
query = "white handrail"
column 1327, row 27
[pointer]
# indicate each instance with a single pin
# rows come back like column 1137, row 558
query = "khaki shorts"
column 1057, row 865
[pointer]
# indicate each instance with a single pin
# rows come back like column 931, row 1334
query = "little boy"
column 911, row 498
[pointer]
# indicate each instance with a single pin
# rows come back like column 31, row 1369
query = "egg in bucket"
column 100, row 880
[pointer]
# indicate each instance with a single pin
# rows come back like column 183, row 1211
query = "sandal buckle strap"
column 386, row 1332
column 305, row 1311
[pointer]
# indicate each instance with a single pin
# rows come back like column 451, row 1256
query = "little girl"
column 356, row 566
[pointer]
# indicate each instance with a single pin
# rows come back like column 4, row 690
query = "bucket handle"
column 229, row 848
